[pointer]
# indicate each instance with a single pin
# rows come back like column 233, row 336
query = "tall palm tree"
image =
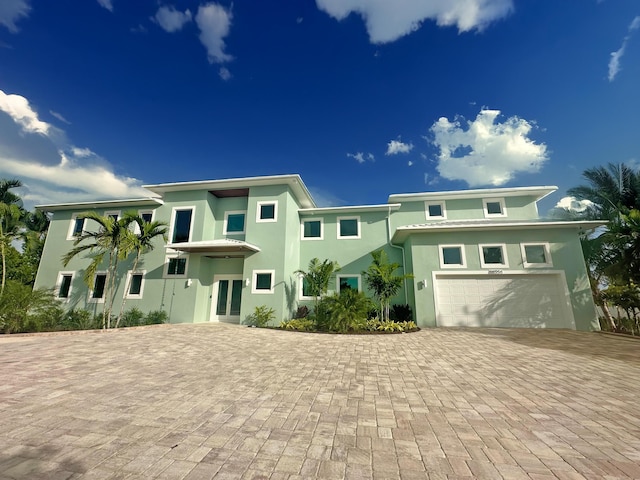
column 140, row 243
column 8, row 197
column 10, row 215
column 380, row 278
column 317, row 277
column 106, row 241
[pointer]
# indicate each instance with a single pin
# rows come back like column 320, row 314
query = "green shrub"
column 401, row 313
column 261, row 316
column 299, row 325
column 132, row 318
column 156, row 317
column 80, row 320
column 390, row 326
column 23, row 309
column 342, row 312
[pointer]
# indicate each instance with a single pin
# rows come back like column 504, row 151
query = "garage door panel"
column 536, row 300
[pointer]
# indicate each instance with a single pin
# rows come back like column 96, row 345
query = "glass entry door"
column 226, row 298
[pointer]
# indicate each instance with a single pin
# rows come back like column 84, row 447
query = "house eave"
column 385, row 207
column 122, row 203
column 226, row 246
column 538, row 192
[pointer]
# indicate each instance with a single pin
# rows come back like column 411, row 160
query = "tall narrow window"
column 136, row 284
column 64, row 285
column 76, row 227
column 99, row 285
column 182, row 219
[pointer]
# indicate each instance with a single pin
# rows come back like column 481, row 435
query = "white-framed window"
column 303, row 289
column 234, row 222
column 181, row 224
column 494, row 207
column 312, row 229
column 114, row 214
column 348, row 227
column 135, row 281
column 263, row 281
column 536, row 254
column 175, row 266
column 146, row 215
column 267, row 212
column 452, row 256
column 348, row 282
column 97, row 293
column 435, row 210
column 76, row 227
column 64, row 285
column 493, row 255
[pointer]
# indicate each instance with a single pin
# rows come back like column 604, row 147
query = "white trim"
column 226, row 218
column 259, row 211
column 129, row 279
column 213, row 317
column 314, row 219
column 538, row 192
column 104, row 291
column 385, row 207
column 301, row 296
column 547, row 255
column 113, row 213
column 348, row 237
column 136, row 227
column 346, row 275
column 503, row 208
column 59, row 284
column 254, row 282
column 173, row 220
column 165, row 270
column 70, row 235
column 463, row 256
column 503, row 248
column 443, row 209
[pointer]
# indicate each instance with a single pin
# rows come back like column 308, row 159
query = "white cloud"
column 59, row 117
column 573, row 204
column 386, row 21
column 362, row 157
column 614, row 61
column 410, row 163
column 18, row 108
column 108, row 4
column 224, row 73
column 395, row 147
column 11, row 11
column 214, row 22
column 170, row 19
column 82, row 152
column 486, row 152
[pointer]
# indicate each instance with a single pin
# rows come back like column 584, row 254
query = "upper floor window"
column 234, row 222
column 312, row 229
column 76, row 227
column 113, row 214
column 96, row 294
column 535, row 254
column 146, row 215
column 492, row 256
column 452, row 256
column 267, row 212
column 435, row 210
column 348, row 227
column 494, row 207
column 181, row 224
column 63, row 286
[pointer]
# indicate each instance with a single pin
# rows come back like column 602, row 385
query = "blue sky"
column 363, row 98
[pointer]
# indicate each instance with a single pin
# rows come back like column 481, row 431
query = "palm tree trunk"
column 127, row 285
column 111, row 287
column 4, row 267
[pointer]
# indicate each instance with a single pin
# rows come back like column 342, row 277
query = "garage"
column 502, row 300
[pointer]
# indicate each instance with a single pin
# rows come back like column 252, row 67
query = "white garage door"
column 530, row 300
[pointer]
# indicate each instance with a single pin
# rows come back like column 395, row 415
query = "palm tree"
column 140, row 243
column 10, row 215
column 106, row 241
column 9, row 197
column 317, row 277
column 381, row 279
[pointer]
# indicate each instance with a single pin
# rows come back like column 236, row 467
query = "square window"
column 234, row 222
column 147, row 216
column 176, row 267
column 267, row 212
column 349, row 227
column 312, row 229
column 452, row 256
column 494, row 207
column 435, row 210
column 536, row 255
column 348, row 282
column 181, row 226
column 64, row 285
column 262, row 281
column 492, row 256
column 99, row 284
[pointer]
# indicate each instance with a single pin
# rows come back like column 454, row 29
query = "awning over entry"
column 222, row 246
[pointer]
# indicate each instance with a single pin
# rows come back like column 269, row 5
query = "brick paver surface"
column 205, row 401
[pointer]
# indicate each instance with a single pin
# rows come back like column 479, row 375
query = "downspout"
column 404, row 268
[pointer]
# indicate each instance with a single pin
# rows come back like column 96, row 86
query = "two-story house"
column 478, row 257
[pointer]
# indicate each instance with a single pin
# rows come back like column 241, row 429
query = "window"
column 114, row 214
column 63, row 286
column 494, row 207
column 304, row 292
column 312, row 229
column 535, row 254
column 262, row 281
column 452, row 256
column 348, row 282
column 267, row 212
column 175, row 267
column 435, row 210
column 146, row 215
column 76, row 227
column 493, row 256
column 136, row 284
column 96, row 295
column 234, row 222
column 348, row 227
column 181, row 222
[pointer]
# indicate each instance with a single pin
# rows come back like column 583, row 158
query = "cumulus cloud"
column 386, row 21
column 395, row 147
column 362, row 157
column 214, row 22
column 170, row 19
column 572, row 204
column 18, row 108
column 224, row 73
column 11, row 11
column 487, row 152
column 108, row 4
column 614, row 61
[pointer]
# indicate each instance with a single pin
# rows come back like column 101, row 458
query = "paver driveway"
column 204, row 401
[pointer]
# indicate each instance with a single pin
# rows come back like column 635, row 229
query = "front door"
column 225, row 301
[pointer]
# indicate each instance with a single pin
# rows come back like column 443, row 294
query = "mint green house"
column 478, row 257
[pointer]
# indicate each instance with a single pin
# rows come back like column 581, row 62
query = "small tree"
column 10, row 215
column 318, row 276
column 381, row 279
